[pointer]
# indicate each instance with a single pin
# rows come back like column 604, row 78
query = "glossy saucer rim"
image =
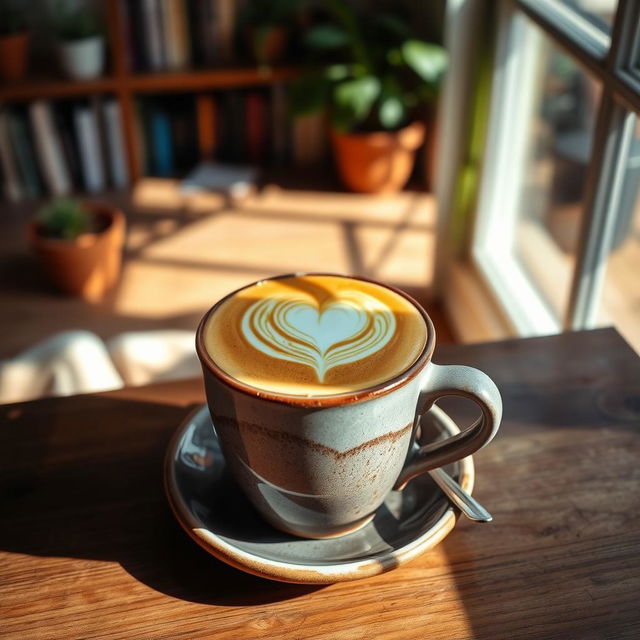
column 310, row 573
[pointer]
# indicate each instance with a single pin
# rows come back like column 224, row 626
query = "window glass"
column 620, row 302
column 558, row 147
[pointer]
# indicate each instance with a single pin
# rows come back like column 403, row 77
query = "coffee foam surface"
column 315, row 335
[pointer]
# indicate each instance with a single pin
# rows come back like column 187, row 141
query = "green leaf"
column 353, row 99
column 338, row 72
column 392, row 112
column 326, row 36
column 429, row 61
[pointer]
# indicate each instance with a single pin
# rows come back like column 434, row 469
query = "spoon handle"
column 466, row 503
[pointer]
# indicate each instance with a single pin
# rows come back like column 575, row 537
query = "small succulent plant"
column 65, row 218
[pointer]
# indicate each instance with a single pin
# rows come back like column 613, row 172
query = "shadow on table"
column 93, row 489
column 557, row 480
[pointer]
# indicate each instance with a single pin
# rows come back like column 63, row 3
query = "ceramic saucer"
column 215, row 513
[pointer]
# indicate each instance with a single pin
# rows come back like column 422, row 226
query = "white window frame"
column 615, row 62
column 513, row 103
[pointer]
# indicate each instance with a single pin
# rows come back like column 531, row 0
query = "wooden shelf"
column 196, row 80
column 200, row 80
column 34, row 89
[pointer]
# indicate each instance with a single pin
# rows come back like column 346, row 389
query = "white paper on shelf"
column 236, row 180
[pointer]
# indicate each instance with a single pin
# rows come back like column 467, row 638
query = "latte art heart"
column 344, row 330
column 313, row 335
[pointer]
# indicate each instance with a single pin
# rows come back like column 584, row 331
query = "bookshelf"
column 125, row 85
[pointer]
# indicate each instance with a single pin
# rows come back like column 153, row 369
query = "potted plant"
column 14, row 41
column 265, row 25
column 375, row 80
column 81, row 43
column 79, row 245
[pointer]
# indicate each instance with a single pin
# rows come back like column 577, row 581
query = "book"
column 207, row 36
column 280, row 128
column 207, row 125
column 115, row 144
column 176, row 35
column 224, row 12
column 49, row 149
column 194, row 26
column 256, row 127
column 142, row 137
column 161, row 143
column 96, row 104
column 89, row 147
column 184, row 135
column 231, row 128
column 63, row 114
column 24, row 153
column 12, row 187
column 152, row 31
column 130, row 15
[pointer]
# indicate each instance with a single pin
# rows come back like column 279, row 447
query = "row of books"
column 179, row 34
column 71, row 146
column 248, row 126
column 60, row 148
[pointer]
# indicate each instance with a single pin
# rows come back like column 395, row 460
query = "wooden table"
column 89, row 548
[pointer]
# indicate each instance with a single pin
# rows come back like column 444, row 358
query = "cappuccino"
column 314, row 335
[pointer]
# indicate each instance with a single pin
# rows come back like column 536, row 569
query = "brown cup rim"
column 333, row 400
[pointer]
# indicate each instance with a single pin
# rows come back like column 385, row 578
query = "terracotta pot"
column 89, row 265
column 13, row 56
column 379, row 162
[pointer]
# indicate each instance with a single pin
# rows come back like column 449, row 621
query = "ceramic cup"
column 321, row 466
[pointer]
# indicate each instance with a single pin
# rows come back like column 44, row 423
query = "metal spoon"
column 459, row 497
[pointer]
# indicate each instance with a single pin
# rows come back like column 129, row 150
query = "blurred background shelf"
column 34, row 89
column 207, row 79
column 205, row 74
column 194, row 80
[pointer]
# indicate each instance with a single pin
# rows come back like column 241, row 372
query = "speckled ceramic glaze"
column 215, row 513
column 320, row 466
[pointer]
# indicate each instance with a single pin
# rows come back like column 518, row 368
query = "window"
column 620, row 300
column 556, row 234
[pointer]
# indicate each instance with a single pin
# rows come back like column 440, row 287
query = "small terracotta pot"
column 89, row 265
column 379, row 162
column 13, row 56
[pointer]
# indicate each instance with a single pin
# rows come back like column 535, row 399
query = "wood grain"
column 183, row 253
column 88, row 548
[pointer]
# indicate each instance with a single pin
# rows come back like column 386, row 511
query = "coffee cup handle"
column 454, row 380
